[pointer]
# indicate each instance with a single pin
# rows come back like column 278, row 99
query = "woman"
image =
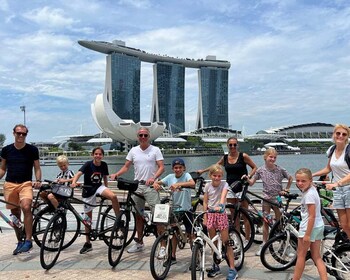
column 235, row 164
column 341, row 172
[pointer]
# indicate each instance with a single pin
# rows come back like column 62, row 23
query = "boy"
column 181, row 183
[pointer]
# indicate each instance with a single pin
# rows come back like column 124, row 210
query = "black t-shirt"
column 93, row 176
column 235, row 171
column 19, row 162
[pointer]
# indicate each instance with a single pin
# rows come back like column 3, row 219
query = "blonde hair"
column 215, row 168
column 270, row 151
column 305, row 171
column 62, row 159
column 343, row 126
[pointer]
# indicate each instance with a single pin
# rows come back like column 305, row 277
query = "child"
column 311, row 226
column 181, row 183
column 271, row 176
column 64, row 178
column 95, row 171
column 215, row 198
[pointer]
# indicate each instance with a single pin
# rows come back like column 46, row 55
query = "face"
column 232, row 145
column 20, row 134
column 340, row 135
column 216, row 178
column 63, row 166
column 303, row 181
column 178, row 170
column 143, row 136
column 97, row 155
column 271, row 158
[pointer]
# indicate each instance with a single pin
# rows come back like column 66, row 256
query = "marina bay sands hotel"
column 168, row 103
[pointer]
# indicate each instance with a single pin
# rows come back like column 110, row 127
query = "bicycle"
column 54, row 235
column 202, row 241
column 120, row 234
column 172, row 220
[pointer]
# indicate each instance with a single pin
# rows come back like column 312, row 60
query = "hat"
column 178, row 161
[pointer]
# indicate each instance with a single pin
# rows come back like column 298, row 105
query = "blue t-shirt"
column 183, row 197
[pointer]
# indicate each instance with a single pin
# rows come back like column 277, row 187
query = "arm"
column 251, row 164
column 189, row 184
column 200, row 171
column 310, row 224
column 37, row 172
column 159, row 172
column 122, row 170
column 205, row 207
column 76, row 178
column 2, row 168
column 105, row 180
column 290, row 181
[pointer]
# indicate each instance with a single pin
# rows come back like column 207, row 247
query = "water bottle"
column 86, row 219
column 15, row 221
column 268, row 217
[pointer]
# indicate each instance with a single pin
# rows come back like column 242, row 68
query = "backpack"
column 347, row 153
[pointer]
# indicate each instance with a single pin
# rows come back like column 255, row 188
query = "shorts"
column 217, row 220
column 15, row 193
column 231, row 194
column 316, row 233
column 92, row 199
column 151, row 196
column 341, row 198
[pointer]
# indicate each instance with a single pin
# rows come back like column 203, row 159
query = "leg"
column 316, row 257
column 53, row 200
column 229, row 251
column 236, row 222
column 303, row 247
column 266, row 209
column 343, row 219
column 17, row 212
column 244, row 204
column 107, row 193
column 26, row 205
column 87, row 229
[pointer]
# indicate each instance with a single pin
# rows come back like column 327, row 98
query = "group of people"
column 19, row 159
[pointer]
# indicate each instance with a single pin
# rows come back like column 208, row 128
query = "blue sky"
column 290, row 60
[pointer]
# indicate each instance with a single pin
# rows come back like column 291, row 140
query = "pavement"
column 94, row 265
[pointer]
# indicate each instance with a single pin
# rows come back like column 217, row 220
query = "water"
column 291, row 162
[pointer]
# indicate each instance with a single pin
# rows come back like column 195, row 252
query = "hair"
column 215, row 168
column 231, row 138
column 20, row 125
column 62, row 159
column 270, row 151
column 343, row 126
column 305, row 171
column 98, row 148
column 143, row 128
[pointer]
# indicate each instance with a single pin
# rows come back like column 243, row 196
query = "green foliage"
column 2, row 139
column 75, row 146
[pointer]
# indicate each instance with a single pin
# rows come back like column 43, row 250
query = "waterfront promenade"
column 94, row 265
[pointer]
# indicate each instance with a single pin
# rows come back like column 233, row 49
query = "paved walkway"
column 94, row 265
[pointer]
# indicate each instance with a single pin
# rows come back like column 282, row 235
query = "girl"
column 311, row 226
column 95, row 171
column 215, row 198
column 271, row 176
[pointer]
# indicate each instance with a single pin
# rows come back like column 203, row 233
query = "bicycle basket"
column 127, row 185
column 236, row 186
column 62, row 190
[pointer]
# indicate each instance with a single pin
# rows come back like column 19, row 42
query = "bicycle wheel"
column 238, row 250
column 197, row 262
column 52, row 241
column 278, row 254
column 118, row 239
column 42, row 219
column 160, row 263
column 342, row 262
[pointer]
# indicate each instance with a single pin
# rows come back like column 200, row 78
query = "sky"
column 290, row 59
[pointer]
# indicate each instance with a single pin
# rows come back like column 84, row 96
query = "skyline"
column 289, row 59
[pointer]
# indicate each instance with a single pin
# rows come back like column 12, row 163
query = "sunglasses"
column 341, row 133
column 233, row 145
column 24, row 134
column 143, row 135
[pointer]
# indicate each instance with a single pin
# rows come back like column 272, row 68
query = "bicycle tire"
column 278, row 254
column 197, row 262
column 52, row 242
column 118, row 239
column 238, row 251
column 343, row 254
column 42, row 219
column 160, row 266
column 107, row 223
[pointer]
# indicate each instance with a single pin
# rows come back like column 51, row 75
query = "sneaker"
column 27, row 245
column 137, row 247
column 245, row 242
column 215, row 270
column 19, row 245
column 162, row 253
column 290, row 252
column 86, row 248
column 259, row 251
column 232, row 274
column 173, row 261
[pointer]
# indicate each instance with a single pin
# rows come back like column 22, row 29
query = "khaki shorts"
column 151, row 197
column 15, row 193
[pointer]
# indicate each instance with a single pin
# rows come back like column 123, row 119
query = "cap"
column 178, row 161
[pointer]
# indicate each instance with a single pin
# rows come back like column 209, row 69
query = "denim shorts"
column 341, row 198
column 316, row 233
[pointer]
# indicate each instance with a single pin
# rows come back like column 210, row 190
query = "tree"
column 2, row 139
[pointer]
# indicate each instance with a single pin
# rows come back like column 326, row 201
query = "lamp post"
column 23, row 109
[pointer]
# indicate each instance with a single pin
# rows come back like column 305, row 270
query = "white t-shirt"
column 214, row 193
column 145, row 161
column 339, row 168
column 310, row 197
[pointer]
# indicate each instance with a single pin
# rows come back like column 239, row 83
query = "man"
column 17, row 161
column 148, row 164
